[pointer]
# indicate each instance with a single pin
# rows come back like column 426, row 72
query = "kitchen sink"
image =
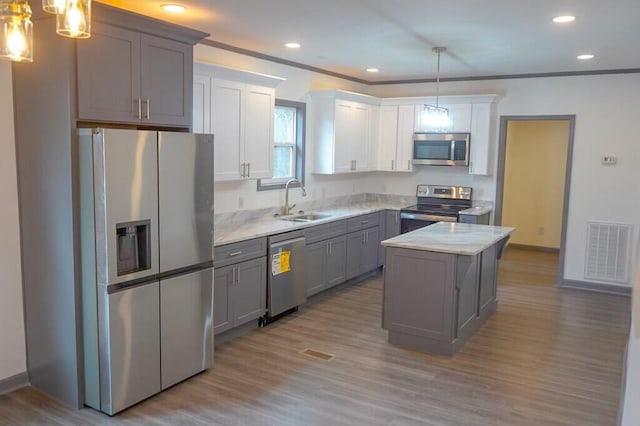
column 310, row 217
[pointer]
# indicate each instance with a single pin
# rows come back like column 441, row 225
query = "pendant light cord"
column 438, row 50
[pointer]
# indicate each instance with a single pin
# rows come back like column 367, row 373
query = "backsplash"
column 240, row 217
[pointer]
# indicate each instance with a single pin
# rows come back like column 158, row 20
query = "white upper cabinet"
column 343, row 131
column 201, row 99
column 237, row 107
column 387, row 138
column 483, row 116
column 395, row 138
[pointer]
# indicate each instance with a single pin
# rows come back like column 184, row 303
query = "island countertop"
column 455, row 238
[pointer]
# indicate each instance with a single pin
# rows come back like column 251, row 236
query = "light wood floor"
column 547, row 357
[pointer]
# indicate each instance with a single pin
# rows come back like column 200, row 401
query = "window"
column 288, row 144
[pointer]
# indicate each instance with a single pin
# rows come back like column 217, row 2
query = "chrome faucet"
column 286, row 209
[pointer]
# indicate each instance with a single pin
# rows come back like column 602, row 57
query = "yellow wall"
column 535, row 164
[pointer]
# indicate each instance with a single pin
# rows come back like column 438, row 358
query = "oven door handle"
column 428, row 217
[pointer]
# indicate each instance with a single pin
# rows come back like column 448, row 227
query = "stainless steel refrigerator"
column 146, row 202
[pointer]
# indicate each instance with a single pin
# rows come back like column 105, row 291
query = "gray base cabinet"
column 239, row 294
column 435, row 301
column 389, row 228
column 326, row 264
column 363, row 241
column 481, row 219
column 362, row 251
column 239, row 284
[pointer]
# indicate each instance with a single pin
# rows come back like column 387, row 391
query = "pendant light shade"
column 75, row 19
column 16, row 31
column 53, row 6
column 436, row 118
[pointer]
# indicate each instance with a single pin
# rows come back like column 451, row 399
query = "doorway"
column 533, row 182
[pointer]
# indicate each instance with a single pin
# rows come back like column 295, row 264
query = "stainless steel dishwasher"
column 286, row 288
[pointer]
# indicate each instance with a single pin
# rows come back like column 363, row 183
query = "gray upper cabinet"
column 135, row 70
column 108, row 74
column 125, row 76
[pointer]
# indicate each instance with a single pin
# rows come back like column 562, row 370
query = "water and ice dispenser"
column 133, row 246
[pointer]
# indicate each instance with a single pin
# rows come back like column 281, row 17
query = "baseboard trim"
column 14, row 382
column 534, row 248
column 617, row 289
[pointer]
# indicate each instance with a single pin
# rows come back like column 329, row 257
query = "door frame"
column 502, row 145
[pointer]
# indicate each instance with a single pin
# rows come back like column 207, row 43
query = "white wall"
column 12, row 343
column 607, row 110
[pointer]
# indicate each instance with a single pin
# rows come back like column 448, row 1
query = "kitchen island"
column 440, row 284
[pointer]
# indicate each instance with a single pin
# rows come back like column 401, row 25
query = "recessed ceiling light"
column 173, row 8
column 292, row 45
column 564, row 19
column 372, row 70
column 585, row 56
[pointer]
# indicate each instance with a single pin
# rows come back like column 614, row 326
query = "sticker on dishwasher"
column 280, row 263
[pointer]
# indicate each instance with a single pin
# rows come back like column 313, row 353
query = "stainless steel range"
column 435, row 204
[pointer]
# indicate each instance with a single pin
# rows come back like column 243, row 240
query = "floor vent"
column 608, row 252
column 317, row 354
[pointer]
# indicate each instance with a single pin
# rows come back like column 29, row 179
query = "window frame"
column 301, row 115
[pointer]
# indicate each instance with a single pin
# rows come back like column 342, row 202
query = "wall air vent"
column 608, row 250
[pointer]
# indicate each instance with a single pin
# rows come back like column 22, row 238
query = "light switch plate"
column 609, row 159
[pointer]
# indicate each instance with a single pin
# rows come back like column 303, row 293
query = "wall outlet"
column 609, row 159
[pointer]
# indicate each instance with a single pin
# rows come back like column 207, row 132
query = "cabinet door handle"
column 366, row 238
column 330, row 248
column 355, row 165
column 326, row 249
column 363, row 236
column 235, row 253
column 397, row 217
column 148, row 108
column 237, row 275
column 408, row 164
column 139, row 109
column 364, row 222
column 233, row 275
column 248, row 169
column 392, row 161
column 243, row 169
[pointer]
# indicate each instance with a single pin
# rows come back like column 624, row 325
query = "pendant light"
column 436, row 118
column 16, row 31
column 53, row 6
column 75, row 19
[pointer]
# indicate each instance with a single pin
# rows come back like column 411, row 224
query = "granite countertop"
column 264, row 225
column 454, row 238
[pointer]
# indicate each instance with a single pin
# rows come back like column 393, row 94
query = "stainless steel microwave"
column 441, row 149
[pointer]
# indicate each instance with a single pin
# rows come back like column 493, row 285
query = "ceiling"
column 483, row 38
